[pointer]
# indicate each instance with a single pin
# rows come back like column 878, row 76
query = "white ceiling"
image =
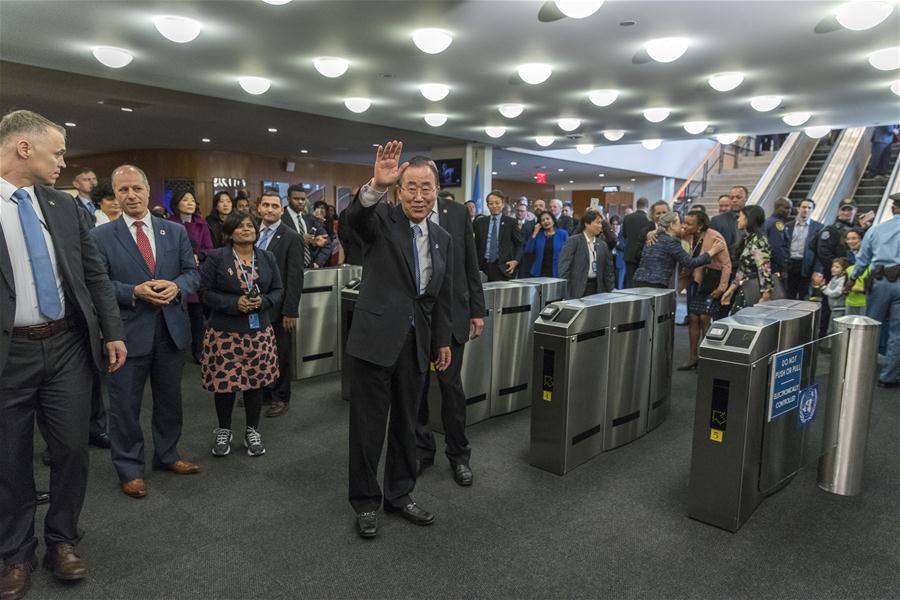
column 774, row 43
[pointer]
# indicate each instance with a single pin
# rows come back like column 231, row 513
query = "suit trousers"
column 50, row 377
column 126, row 390
column 384, row 398
column 495, row 271
column 630, row 269
column 453, row 414
column 281, row 390
column 796, row 286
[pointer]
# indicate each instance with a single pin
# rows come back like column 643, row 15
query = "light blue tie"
column 264, row 239
column 39, row 255
column 90, row 207
column 492, row 241
column 416, row 232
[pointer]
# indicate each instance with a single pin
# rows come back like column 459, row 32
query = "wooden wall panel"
column 515, row 189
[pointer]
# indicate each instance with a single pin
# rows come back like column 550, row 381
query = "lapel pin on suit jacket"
column 162, row 232
column 51, row 202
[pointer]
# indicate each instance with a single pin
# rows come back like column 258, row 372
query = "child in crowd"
column 834, row 290
column 856, row 299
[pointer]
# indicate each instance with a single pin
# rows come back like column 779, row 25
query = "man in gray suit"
column 55, row 300
column 585, row 260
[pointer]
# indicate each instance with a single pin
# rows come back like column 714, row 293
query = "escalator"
column 870, row 190
column 810, row 173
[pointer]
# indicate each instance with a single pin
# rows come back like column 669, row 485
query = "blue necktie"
column 264, row 239
column 90, row 207
column 416, row 232
column 39, row 255
column 492, row 241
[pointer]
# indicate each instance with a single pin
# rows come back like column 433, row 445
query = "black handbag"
column 710, row 281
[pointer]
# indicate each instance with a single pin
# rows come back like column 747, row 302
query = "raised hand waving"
column 387, row 165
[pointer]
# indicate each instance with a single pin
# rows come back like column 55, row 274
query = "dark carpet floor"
column 280, row 526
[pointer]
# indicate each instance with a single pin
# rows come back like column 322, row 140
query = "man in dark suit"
column 585, row 260
column 563, row 221
column 633, row 228
column 498, row 241
column 84, row 183
column 317, row 249
column 467, row 313
column 287, row 246
column 726, row 223
column 402, row 320
column 55, row 304
column 151, row 264
column 801, row 262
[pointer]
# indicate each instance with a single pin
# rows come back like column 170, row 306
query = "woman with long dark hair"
column 753, row 273
column 544, row 245
column 223, row 205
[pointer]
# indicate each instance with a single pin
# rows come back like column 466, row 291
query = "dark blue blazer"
column 810, row 264
column 535, row 246
column 127, row 269
column 220, row 289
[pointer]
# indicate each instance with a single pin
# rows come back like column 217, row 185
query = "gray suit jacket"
column 89, row 293
column 575, row 260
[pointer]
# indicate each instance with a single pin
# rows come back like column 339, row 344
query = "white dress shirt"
column 87, row 203
column 148, row 229
column 592, row 255
column 299, row 221
column 798, row 239
column 27, row 310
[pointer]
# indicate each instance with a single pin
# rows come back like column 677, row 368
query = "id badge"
column 254, row 320
column 594, row 267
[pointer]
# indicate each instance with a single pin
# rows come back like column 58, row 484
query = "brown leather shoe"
column 183, row 467
column 65, row 563
column 278, row 408
column 15, row 580
column 136, row 488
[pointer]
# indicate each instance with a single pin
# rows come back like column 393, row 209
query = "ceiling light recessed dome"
column 668, row 49
column 795, row 119
column 357, row 104
column 895, row 87
column 651, row 144
column 435, row 119
column 656, row 115
column 535, row 73
column 255, row 85
column 578, row 9
column 331, row 66
column 862, row 14
column 511, row 111
column 695, row 127
column 584, row 148
column 765, row 103
column 603, row 97
column 114, row 58
column 568, row 124
column 495, row 132
column 613, row 135
column 818, row 131
column 886, row 59
column 727, row 139
column 434, row 91
column 725, row 82
column 544, row 140
column 431, row 40
column 180, row 30
column 276, row 2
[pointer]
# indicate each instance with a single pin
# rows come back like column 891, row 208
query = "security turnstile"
column 739, row 455
column 317, row 344
column 475, row 371
column 551, row 289
column 349, row 296
column 515, row 309
column 662, row 344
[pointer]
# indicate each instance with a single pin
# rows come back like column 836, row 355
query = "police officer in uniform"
column 831, row 243
column 779, row 241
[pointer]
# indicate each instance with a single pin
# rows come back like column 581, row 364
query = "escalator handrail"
column 782, row 174
column 893, row 187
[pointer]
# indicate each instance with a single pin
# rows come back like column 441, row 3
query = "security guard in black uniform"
column 776, row 232
column 831, row 243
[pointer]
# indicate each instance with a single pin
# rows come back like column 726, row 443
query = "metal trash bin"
column 349, row 296
column 476, row 375
column 662, row 349
column 515, row 309
column 317, row 340
column 552, row 289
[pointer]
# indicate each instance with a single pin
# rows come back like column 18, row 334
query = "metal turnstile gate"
column 515, row 309
column 550, row 289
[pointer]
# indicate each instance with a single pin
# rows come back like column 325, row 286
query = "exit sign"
column 540, row 177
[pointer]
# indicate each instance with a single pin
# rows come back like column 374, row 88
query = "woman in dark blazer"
column 223, row 206
column 544, row 246
column 658, row 260
column 240, row 284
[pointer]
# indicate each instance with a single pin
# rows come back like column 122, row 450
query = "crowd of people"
column 109, row 272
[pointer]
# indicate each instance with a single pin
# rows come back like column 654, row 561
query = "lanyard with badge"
column 252, row 289
column 592, row 249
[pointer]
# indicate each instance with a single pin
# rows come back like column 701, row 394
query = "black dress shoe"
column 888, row 384
column 101, row 440
column 413, row 513
column 462, row 475
column 42, row 497
column 367, row 524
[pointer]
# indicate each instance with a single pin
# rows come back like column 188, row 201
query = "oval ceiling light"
column 276, row 2
column 695, row 127
column 70, row 124
column 435, row 119
column 511, row 111
column 578, row 9
column 603, row 97
column 114, row 58
column 568, row 124
column 818, row 131
column 886, row 59
column 584, row 148
column 727, row 139
column 895, row 87
column 432, row 41
column 613, row 135
column 651, row 144
column 434, row 91
column 495, row 132
column 255, row 85
column 535, row 73
column 331, row 66
column 862, row 14
column 656, row 115
column 668, row 49
column 795, row 119
column 180, row 30
column 357, row 104
column 725, row 82
column 765, row 103
column 544, row 140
